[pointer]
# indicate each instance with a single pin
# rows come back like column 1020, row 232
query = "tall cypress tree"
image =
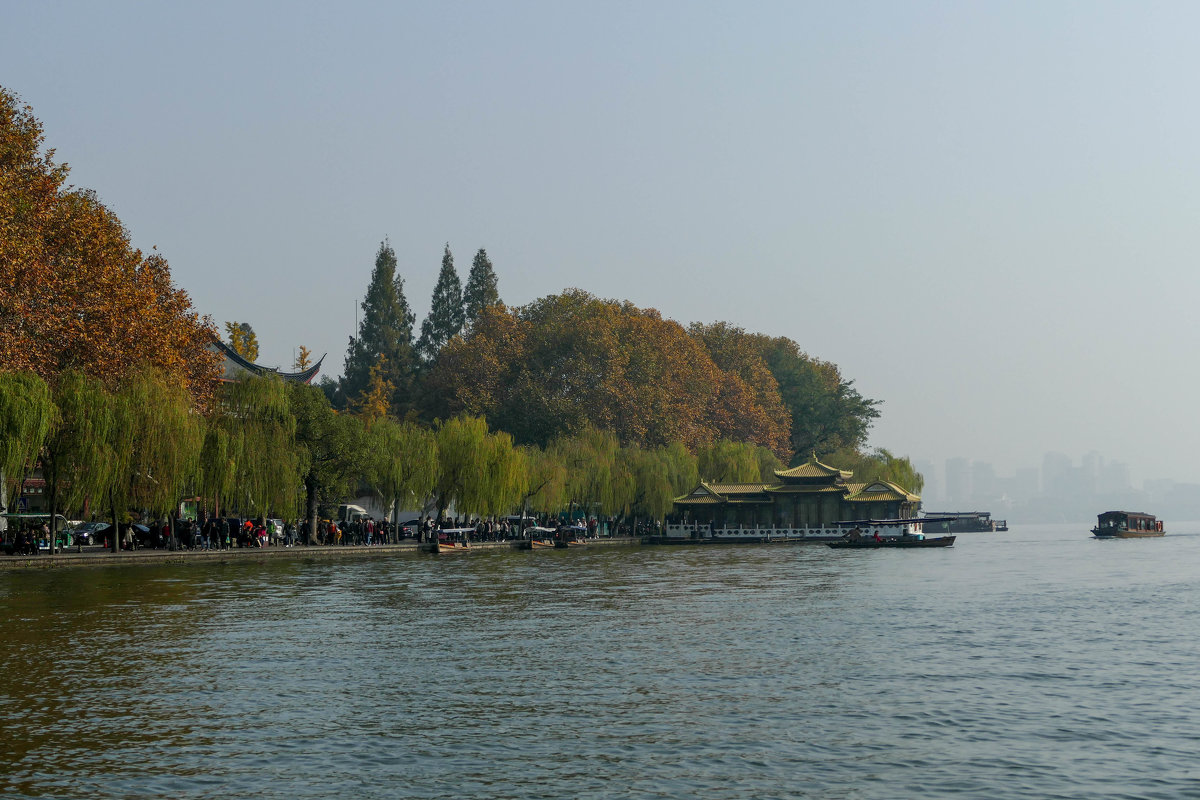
column 385, row 333
column 445, row 318
column 481, row 290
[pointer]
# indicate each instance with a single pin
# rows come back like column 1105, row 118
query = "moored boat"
column 1127, row 525
column 876, row 533
column 540, row 538
column 453, row 540
column 894, row 541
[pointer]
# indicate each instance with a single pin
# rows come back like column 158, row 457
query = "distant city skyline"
column 1059, row 488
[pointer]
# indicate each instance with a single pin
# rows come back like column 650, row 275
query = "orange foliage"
column 74, row 293
column 572, row 360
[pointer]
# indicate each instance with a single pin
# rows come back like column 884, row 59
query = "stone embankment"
column 98, row 557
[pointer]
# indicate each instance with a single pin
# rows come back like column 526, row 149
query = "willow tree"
column 725, row 461
column 546, row 487
column 158, row 423
column 682, row 469
column 249, row 455
column 650, row 474
column 478, row 472
column 879, row 465
column 506, row 477
column 596, row 477
column 26, row 410
column 78, row 461
column 403, row 462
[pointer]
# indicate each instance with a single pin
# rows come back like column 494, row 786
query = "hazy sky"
column 987, row 214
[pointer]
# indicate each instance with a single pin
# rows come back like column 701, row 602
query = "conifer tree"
column 384, row 335
column 445, row 318
column 481, row 290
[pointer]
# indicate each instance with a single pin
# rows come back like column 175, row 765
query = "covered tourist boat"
column 453, row 540
column 1127, row 525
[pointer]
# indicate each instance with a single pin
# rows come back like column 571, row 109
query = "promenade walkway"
column 99, row 557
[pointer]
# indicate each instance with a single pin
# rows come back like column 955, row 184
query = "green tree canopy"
column 385, row 336
column 78, row 461
column 445, row 318
column 403, row 462
column 879, row 465
column 249, row 457
column 482, row 287
column 330, row 449
column 26, row 412
column 478, row 472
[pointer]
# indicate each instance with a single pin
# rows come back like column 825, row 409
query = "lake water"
column 1036, row 663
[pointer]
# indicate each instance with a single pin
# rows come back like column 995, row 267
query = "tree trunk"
column 116, row 531
column 310, row 488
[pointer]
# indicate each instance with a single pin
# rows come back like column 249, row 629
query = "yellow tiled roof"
column 879, row 492
column 813, row 469
column 792, row 488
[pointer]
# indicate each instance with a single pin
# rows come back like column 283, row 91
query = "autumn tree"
column 74, row 293
column 303, row 359
column 242, row 340
column 568, row 361
column 384, row 341
column 482, row 287
column 375, row 400
column 445, row 318
column 823, row 410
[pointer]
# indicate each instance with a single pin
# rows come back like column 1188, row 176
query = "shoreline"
column 101, row 558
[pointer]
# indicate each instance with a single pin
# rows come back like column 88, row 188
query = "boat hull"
column 455, row 547
column 1129, row 534
column 873, row 544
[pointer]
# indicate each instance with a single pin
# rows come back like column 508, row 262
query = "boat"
column 893, row 541
column 571, row 536
column 540, row 538
column 1127, row 525
column 963, row 522
column 455, row 540
column 870, row 534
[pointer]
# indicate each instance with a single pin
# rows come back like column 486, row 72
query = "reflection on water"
column 1030, row 664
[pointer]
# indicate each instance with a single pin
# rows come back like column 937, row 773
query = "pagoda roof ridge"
column 813, row 469
column 304, row 376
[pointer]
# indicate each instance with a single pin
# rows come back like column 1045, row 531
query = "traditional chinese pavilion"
column 802, row 502
column 236, row 367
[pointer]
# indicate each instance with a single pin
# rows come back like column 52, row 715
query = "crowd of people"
column 225, row 533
